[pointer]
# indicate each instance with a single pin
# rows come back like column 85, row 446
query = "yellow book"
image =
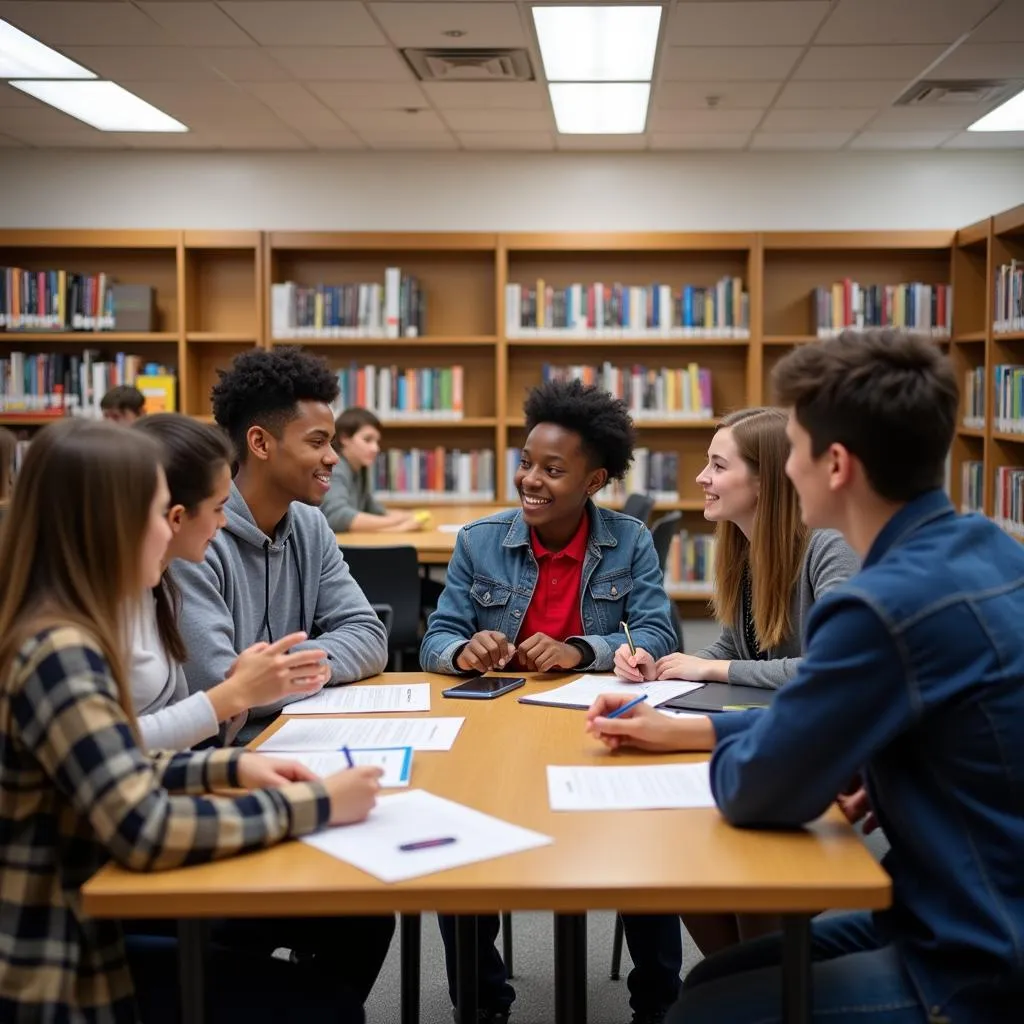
column 160, row 391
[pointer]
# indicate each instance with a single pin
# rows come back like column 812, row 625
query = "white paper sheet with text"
column 414, row 817
column 362, row 700
column 335, row 733
column 632, row 788
column 396, row 762
column 582, row 692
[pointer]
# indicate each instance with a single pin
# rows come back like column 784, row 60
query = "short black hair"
column 124, row 397
column 263, row 388
column 603, row 423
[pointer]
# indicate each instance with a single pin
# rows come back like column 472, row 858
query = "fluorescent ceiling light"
column 598, row 44
column 600, row 108
column 104, row 105
column 21, row 56
column 1007, row 117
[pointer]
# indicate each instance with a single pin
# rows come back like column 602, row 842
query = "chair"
column 390, row 576
column 639, row 506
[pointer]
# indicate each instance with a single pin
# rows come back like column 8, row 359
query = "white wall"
column 477, row 191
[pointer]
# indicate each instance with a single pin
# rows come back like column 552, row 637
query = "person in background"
column 123, row 404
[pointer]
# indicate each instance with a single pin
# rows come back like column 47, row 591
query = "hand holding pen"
column 633, row 664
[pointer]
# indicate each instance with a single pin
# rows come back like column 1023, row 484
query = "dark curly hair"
column 263, row 388
column 606, row 430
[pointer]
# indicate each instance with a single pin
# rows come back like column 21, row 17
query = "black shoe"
column 649, row 1017
column 486, row 1016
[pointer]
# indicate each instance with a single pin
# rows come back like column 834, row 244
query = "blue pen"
column 348, row 757
column 626, row 707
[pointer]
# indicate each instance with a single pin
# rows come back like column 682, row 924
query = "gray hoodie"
column 252, row 587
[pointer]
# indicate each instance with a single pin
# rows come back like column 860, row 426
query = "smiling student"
column 545, row 588
column 912, row 677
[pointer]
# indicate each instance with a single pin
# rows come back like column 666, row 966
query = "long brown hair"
column 82, row 502
column 8, row 446
column 776, row 550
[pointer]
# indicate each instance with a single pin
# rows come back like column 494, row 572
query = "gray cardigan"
column 828, row 561
column 349, row 495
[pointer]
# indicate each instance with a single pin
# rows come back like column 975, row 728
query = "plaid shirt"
column 75, row 791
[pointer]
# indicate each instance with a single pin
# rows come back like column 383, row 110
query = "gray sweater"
column 349, row 495
column 828, row 561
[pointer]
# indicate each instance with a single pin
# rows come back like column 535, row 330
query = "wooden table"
column 433, row 547
column 634, row 861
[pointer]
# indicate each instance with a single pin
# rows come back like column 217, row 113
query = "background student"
column 545, row 588
column 349, row 505
column 75, row 787
column 275, row 567
column 197, row 464
column 913, row 674
column 123, row 404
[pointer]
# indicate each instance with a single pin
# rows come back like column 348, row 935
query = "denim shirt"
column 493, row 572
column 914, row 673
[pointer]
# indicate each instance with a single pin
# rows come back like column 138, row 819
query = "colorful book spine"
column 690, row 564
column 1009, row 500
column 1009, row 398
column 1009, row 298
column 434, row 474
column 396, row 394
column 925, row 308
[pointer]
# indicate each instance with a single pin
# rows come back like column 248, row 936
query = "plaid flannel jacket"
column 75, row 791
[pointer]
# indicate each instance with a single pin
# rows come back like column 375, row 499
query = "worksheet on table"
column 582, row 692
column 629, row 788
column 362, row 700
column 335, row 733
column 395, row 761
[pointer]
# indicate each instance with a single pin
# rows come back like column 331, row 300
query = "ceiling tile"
column 983, row 60
column 209, row 105
column 84, row 139
column 899, row 119
column 816, row 120
column 499, row 120
column 126, row 64
column 1004, row 25
column 295, row 106
column 11, row 97
column 800, row 140
column 600, row 143
column 158, row 140
column 391, row 122
column 334, row 140
column 507, row 140
column 839, row 95
column 39, row 118
column 342, row 63
column 9, row 143
column 424, row 24
column 197, row 24
column 774, row 23
column 69, row 23
column 986, row 140
column 899, row 140
column 726, row 95
column 305, row 22
column 244, row 65
column 409, row 140
column 360, row 96
column 257, row 140
column 829, row 63
column 487, row 95
column 711, row 122
column 721, row 63
column 905, row 21
column 697, row 140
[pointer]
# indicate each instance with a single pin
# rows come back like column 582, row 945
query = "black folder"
column 717, row 696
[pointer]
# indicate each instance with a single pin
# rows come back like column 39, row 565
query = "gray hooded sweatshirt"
column 252, row 587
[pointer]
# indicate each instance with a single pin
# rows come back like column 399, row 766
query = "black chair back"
column 639, row 506
column 662, row 532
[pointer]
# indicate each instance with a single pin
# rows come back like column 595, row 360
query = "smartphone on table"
column 484, row 687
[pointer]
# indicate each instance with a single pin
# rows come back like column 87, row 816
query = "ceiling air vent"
column 470, row 65
column 952, row 94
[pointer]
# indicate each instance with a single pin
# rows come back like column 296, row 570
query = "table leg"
column 796, row 969
column 467, row 970
column 570, row 969
column 192, row 936
column 410, row 969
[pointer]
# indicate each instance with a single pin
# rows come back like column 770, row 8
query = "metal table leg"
column 467, row 970
column 192, row 936
column 570, row 969
column 410, row 967
column 797, row 1003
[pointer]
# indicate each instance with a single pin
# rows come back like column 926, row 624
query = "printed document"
column 335, row 733
column 360, row 700
column 396, row 762
column 639, row 788
column 582, row 692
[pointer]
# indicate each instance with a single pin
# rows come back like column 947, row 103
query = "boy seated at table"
column 123, row 404
column 546, row 587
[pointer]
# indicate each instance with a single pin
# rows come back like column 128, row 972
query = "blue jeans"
column 854, row 978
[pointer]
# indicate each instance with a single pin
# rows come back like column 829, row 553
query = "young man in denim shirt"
column 913, row 676
column 545, row 588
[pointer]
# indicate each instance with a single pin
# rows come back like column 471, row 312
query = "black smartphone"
column 484, row 687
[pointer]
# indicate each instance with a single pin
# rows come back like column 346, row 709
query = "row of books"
column 1009, row 298
column 55, row 300
column 59, row 384
column 927, row 308
column 721, row 310
column 972, row 486
column 1008, row 509
column 669, row 393
column 690, row 563
column 1009, row 398
column 434, row 474
column 395, row 394
column 394, row 309
column 974, row 398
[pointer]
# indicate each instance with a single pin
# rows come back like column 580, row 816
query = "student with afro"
column 544, row 587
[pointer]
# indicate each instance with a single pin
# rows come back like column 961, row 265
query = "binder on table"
column 713, row 697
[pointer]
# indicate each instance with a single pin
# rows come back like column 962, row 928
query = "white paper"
column 335, row 733
column 639, row 788
column 396, row 762
column 582, row 692
column 361, row 700
column 414, row 816
column 450, row 527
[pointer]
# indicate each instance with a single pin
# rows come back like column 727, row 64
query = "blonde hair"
column 775, row 551
column 82, row 504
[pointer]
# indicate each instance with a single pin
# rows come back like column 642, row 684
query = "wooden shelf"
column 683, row 594
column 454, row 341
column 790, row 339
column 222, row 337
column 91, row 337
column 27, row 419
column 428, row 423
column 635, row 341
column 1008, row 335
column 970, row 431
column 970, row 336
column 1003, row 435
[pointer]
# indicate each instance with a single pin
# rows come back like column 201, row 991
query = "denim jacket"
column 493, row 572
column 914, row 673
